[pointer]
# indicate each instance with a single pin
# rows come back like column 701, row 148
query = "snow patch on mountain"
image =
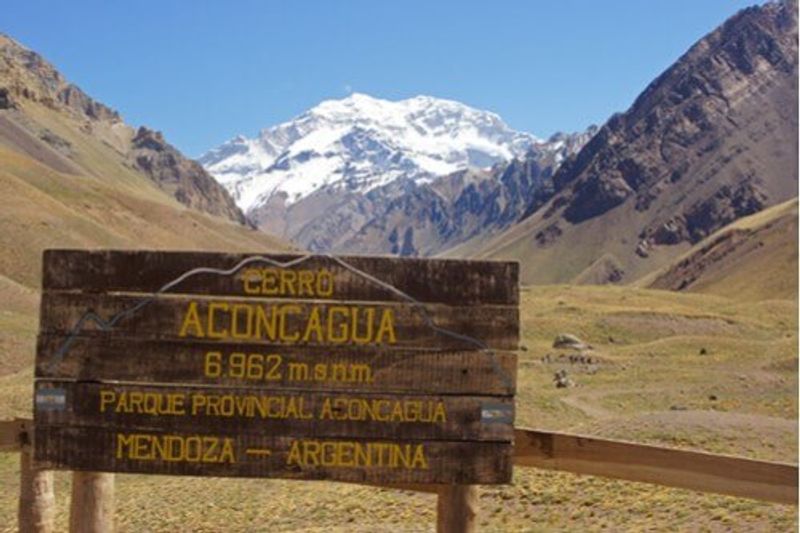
column 359, row 143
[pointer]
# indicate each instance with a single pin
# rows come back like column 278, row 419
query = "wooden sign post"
column 367, row 369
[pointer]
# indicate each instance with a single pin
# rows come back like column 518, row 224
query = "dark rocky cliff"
column 712, row 139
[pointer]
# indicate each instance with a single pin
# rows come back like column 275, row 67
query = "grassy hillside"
column 677, row 369
column 755, row 258
column 47, row 208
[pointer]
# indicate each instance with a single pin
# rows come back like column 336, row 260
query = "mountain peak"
column 361, row 97
column 354, row 101
column 361, row 142
column 367, row 174
column 26, row 75
column 363, row 108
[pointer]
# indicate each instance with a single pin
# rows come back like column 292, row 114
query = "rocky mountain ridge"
column 359, row 143
column 712, row 139
column 467, row 206
column 27, row 76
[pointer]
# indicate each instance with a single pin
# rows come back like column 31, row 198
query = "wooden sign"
column 371, row 369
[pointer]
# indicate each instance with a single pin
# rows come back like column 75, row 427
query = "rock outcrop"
column 184, row 178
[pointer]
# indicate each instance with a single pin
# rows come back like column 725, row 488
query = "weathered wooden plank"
column 429, row 488
column 10, row 442
column 196, row 453
column 735, row 476
column 297, row 323
column 447, row 281
column 700, row 471
column 225, row 410
column 278, row 367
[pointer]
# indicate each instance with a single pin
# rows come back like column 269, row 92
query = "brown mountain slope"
column 54, row 122
column 471, row 205
column 43, row 208
column 72, row 174
column 712, row 139
column 755, row 258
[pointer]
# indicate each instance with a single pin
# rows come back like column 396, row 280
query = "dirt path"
column 592, row 410
column 588, row 402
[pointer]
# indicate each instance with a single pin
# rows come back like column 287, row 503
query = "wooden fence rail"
column 700, row 471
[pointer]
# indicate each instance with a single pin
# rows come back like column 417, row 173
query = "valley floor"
column 682, row 370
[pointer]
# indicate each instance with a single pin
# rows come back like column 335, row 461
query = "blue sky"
column 203, row 71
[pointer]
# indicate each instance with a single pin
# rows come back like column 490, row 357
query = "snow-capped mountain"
column 360, row 143
column 344, row 161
